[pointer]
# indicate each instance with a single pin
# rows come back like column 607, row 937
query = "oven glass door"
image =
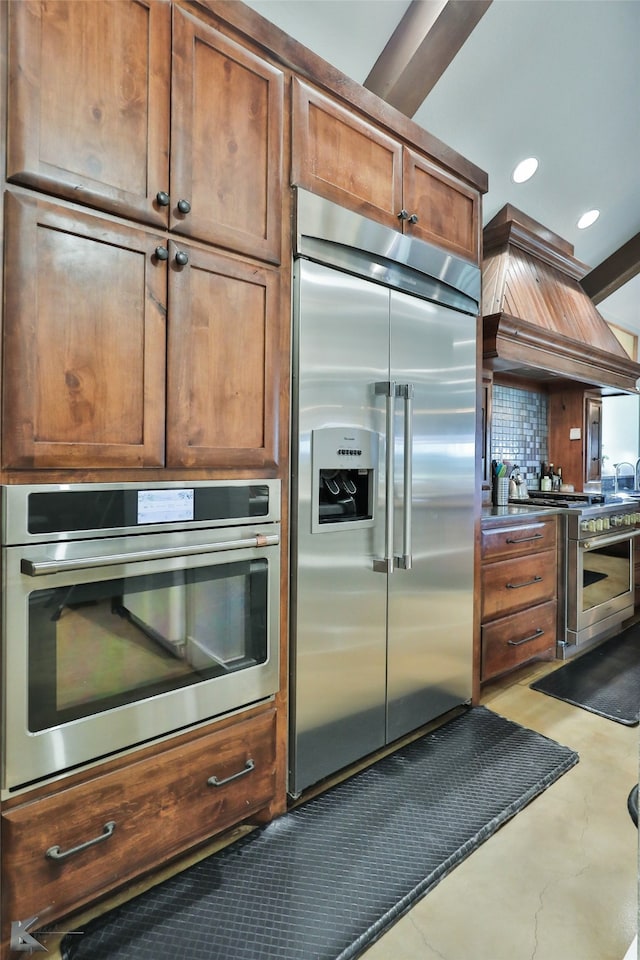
column 108, row 656
column 606, row 573
column 98, row 646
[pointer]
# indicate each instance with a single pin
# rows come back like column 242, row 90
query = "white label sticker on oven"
column 164, row 506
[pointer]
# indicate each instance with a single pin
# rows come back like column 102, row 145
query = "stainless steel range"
column 597, row 552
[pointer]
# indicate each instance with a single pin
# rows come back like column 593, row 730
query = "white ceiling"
column 555, row 79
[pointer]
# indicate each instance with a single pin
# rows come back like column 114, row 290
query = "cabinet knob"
column 162, row 253
column 181, row 258
column 413, row 218
column 162, row 198
column 403, row 215
column 184, row 206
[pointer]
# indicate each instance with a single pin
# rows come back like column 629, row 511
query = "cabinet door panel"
column 84, row 340
column 223, row 374
column 448, row 211
column 341, row 157
column 226, row 142
column 88, row 115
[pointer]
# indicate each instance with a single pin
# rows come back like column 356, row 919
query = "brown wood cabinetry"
column 447, row 211
column 84, row 339
column 227, row 117
column 224, row 361
column 190, row 141
column 89, row 352
column 345, row 158
column 519, row 593
column 89, row 366
column 572, row 408
column 88, row 103
column 141, row 816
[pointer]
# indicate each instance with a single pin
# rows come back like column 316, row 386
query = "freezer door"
column 338, row 601
column 433, row 350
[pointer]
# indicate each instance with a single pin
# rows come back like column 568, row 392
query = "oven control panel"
column 608, row 522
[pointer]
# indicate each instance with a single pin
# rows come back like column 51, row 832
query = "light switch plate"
column 574, row 433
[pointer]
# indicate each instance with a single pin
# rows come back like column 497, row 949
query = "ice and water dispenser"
column 344, row 463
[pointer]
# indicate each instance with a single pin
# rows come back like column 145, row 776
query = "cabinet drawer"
column 512, row 640
column 519, row 539
column 160, row 806
column 511, row 585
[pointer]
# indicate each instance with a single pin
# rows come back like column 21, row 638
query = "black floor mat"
column 605, row 680
column 327, row 878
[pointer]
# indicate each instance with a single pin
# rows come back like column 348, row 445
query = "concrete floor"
column 558, row 881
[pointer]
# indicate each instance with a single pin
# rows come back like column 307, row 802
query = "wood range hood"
column 538, row 322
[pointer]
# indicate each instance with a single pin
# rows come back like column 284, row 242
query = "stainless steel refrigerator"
column 384, row 414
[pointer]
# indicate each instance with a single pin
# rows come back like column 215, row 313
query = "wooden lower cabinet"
column 144, row 814
column 519, row 583
column 512, row 640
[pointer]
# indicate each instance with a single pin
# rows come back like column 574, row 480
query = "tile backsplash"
column 519, row 431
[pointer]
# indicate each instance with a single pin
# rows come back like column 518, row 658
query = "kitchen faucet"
column 623, row 463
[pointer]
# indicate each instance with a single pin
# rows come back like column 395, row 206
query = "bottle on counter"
column 545, row 477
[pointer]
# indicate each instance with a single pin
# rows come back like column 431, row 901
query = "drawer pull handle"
column 534, row 636
column 214, row 782
column 536, row 536
column 527, row 583
column 55, row 853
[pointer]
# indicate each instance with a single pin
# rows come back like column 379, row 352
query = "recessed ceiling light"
column 588, row 218
column 525, row 170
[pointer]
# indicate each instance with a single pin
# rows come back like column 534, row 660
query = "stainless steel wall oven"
column 131, row 611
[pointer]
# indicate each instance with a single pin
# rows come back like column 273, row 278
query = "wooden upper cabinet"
column 108, row 109
column 338, row 154
column 227, row 119
column 447, row 211
column 84, row 347
column 342, row 157
column 224, row 358
column 88, row 102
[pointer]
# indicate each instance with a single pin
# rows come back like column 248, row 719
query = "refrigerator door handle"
column 404, row 561
column 387, row 388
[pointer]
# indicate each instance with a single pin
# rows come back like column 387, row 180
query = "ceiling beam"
column 421, row 48
column 613, row 272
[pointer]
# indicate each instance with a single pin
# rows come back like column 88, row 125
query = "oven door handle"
column 40, row 568
column 607, row 541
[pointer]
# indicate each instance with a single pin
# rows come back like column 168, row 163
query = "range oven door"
column 111, row 643
column 600, row 584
